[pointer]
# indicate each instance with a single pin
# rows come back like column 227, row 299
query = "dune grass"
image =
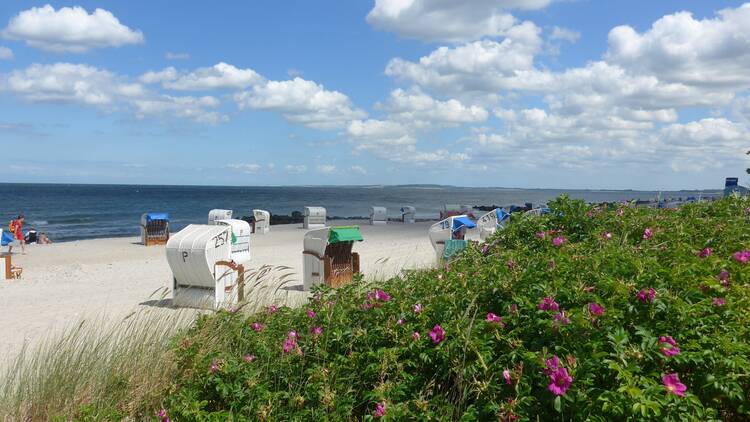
column 99, row 369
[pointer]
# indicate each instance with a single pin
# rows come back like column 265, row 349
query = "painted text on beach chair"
column 328, row 257
column 205, row 272
column 314, row 218
column 378, row 216
column 216, row 215
column 451, row 228
column 262, row 221
column 408, row 214
column 154, row 228
column 490, row 222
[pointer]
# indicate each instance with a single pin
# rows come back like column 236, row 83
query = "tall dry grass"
column 102, row 369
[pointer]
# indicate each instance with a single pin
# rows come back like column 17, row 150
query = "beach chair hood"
column 462, row 221
column 157, row 216
column 344, row 234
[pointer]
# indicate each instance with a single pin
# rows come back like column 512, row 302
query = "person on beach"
column 16, row 228
column 44, row 239
column 31, row 236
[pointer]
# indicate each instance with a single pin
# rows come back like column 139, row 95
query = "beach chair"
column 378, row 216
column 154, row 228
column 216, row 215
column 327, row 256
column 262, row 221
column 489, row 223
column 204, row 263
column 314, row 218
column 408, row 214
column 240, row 239
column 536, row 212
column 451, row 228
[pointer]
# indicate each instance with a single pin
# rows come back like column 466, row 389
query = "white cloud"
column 448, row 20
column 193, row 108
column 6, row 53
column 706, row 143
column 301, row 101
column 68, row 83
column 176, row 56
column 357, row 169
column 70, row 29
column 326, row 168
column 565, row 34
column 246, row 168
column 679, row 48
column 295, row 169
column 419, row 108
column 218, row 76
column 480, row 66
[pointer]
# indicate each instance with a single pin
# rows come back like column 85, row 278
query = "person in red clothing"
column 16, row 227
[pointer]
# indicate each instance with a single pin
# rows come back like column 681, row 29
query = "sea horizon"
column 67, row 211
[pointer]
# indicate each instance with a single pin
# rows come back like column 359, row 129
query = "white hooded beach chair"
column 408, row 214
column 378, row 216
column 328, row 258
column 536, row 212
column 208, row 264
column 154, row 228
column 489, row 223
column 449, row 235
column 314, row 218
column 216, row 215
column 262, row 221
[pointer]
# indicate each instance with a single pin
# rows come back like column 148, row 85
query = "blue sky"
column 534, row 93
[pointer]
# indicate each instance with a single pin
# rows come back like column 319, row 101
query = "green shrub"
column 622, row 312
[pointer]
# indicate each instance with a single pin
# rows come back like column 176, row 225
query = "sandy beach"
column 110, row 278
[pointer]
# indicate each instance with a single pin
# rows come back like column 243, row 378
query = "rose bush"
column 582, row 326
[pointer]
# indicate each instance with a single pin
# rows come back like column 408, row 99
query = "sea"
column 68, row 212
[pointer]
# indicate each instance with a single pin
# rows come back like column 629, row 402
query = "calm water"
column 70, row 212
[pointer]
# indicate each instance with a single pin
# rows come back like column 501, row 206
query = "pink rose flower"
column 719, row 301
column 670, row 346
column 558, row 241
column 506, row 376
column 648, row 234
column 437, row 334
column 495, row 319
column 673, row 385
column 379, row 410
column 705, row 253
column 596, row 309
column 257, row 326
column 548, row 304
column 646, row 296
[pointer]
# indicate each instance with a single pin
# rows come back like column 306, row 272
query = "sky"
column 592, row 94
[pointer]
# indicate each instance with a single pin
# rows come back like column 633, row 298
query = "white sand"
column 110, row 278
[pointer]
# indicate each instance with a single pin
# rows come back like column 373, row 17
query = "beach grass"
column 101, row 369
column 116, row 368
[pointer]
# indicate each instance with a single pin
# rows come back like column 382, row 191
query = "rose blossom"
column 548, row 304
column 379, row 410
column 437, row 334
column 646, row 296
column 596, row 309
column 705, row 253
column 648, row 234
column 670, row 349
column 719, row 301
column 673, row 385
column 558, row 241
